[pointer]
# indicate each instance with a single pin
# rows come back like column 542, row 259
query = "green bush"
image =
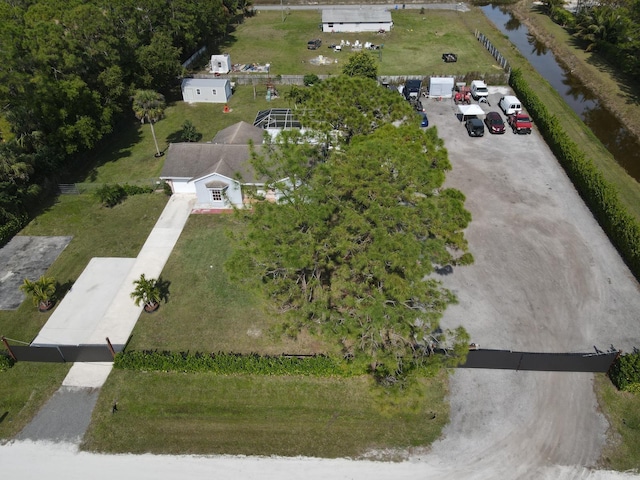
column 112, row 195
column 562, row 16
column 310, row 79
column 10, row 228
column 599, row 195
column 625, row 372
column 136, row 189
column 233, row 363
column 6, row 362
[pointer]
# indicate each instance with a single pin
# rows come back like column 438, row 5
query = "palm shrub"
column 42, row 291
column 148, row 292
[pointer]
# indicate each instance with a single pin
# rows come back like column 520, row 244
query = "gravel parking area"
column 545, row 279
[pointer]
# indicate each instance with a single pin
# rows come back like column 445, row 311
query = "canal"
column 619, row 141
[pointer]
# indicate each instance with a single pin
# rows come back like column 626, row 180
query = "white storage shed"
column 441, row 87
column 356, row 20
column 220, row 64
column 206, row 90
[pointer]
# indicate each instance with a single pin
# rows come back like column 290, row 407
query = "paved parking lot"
column 545, row 279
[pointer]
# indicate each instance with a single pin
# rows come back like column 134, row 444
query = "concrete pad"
column 82, row 309
column 89, row 375
column 25, row 257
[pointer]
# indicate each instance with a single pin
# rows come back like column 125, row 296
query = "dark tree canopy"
column 69, row 69
column 352, row 106
column 350, row 249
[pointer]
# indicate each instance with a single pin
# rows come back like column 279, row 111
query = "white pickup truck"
column 479, row 90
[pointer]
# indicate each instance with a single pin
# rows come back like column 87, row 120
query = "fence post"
column 6, row 344
column 113, row 352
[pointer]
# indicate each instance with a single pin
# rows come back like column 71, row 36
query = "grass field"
column 622, row 409
column 205, row 414
column 206, row 312
column 413, row 47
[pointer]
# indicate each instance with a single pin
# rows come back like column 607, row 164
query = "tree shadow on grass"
column 163, row 285
column 113, row 147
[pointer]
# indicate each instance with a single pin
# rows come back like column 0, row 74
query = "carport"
column 469, row 111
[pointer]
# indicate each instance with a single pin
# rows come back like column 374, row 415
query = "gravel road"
column 545, row 279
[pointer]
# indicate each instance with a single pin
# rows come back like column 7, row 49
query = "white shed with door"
column 206, row 90
column 220, row 64
column 356, row 20
column 441, row 87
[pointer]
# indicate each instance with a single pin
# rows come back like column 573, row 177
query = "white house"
column 356, row 20
column 206, row 90
column 217, row 173
column 220, row 64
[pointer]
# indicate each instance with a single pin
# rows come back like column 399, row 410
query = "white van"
column 479, row 90
column 510, row 105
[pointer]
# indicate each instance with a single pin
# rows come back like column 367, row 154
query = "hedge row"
column 112, row 194
column 622, row 228
column 625, row 372
column 13, row 226
column 233, row 363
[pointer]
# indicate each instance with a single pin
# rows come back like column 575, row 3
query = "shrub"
column 10, row 228
column 625, row 372
column 6, row 362
column 310, row 79
column 111, row 195
column 189, row 132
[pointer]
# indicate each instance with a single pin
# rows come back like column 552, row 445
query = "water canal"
column 610, row 131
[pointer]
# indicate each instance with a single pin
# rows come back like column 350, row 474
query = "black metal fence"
column 545, row 362
column 62, row 353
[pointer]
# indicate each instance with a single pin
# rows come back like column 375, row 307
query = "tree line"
column 609, row 27
column 68, row 70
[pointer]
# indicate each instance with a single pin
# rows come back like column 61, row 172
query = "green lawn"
column 128, row 154
column 622, row 409
column 206, row 312
column 25, row 388
column 413, row 47
column 206, row 414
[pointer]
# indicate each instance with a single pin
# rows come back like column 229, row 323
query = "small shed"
column 356, row 20
column 220, row 64
column 441, row 87
column 206, row 90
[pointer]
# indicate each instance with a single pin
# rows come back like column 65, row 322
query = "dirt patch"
column 25, row 257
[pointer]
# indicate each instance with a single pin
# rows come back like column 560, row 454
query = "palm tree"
column 148, row 292
column 149, row 106
column 42, row 291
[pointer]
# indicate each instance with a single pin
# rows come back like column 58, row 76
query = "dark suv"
column 314, row 44
column 475, row 127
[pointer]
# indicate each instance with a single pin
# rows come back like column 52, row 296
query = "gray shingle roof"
column 195, row 160
column 239, row 134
